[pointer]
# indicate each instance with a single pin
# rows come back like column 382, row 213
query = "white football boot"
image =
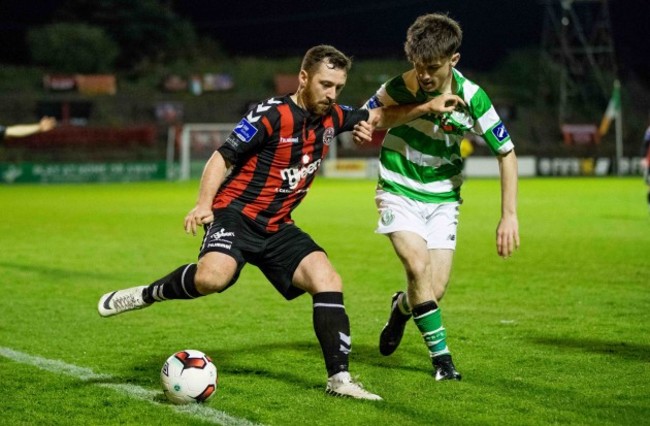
column 119, row 301
column 341, row 384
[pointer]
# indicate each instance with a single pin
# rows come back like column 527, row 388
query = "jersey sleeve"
column 249, row 134
column 352, row 116
column 398, row 90
column 379, row 99
column 488, row 124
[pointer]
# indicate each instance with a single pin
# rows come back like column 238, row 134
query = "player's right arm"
column 384, row 116
column 395, row 115
column 213, row 176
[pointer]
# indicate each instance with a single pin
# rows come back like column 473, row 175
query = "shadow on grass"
column 53, row 272
column 631, row 351
column 262, row 366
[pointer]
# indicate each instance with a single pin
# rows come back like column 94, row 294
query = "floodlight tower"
column 577, row 42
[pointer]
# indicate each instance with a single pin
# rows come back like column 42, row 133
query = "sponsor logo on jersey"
column 245, row 130
column 328, row 135
column 294, row 175
column 374, row 103
column 500, row 132
column 289, row 140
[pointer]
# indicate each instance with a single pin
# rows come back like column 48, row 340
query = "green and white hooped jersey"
column 421, row 159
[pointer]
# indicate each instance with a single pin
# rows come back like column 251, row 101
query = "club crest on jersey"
column 500, row 132
column 387, row 217
column 328, row 135
column 245, row 130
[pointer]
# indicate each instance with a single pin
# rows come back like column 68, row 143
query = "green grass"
column 557, row 334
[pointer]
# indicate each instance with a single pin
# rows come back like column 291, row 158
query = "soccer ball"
column 189, row 376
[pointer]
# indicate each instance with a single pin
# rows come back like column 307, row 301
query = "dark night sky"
column 361, row 28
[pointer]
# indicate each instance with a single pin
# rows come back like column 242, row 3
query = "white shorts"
column 435, row 223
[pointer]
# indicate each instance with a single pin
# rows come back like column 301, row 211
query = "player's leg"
column 427, row 316
column 441, row 262
column 401, row 220
column 442, row 222
column 316, row 275
column 213, row 273
column 220, row 261
column 411, row 249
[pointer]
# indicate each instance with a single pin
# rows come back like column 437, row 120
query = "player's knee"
column 439, row 290
column 335, row 282
column 417, row 270
column 208, row 281
column 330, row 281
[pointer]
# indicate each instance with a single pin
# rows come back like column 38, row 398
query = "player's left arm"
column 508, row 229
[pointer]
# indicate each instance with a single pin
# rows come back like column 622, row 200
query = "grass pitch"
column 557, row 334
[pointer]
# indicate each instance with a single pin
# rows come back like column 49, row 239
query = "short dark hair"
column 432, row 37
column 327, row 54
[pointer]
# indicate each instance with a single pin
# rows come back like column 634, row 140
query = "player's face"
column 322, row 88
column 435, row 75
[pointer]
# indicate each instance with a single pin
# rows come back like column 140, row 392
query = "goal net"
column 190, row 148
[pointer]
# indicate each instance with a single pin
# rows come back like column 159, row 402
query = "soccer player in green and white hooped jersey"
column 420, row 175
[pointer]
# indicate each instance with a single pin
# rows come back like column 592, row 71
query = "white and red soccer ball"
column 189, row 376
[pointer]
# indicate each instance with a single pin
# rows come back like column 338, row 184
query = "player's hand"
column 198, row 216
column 445, row 102
column 46, row 124
column 362, row 132
column 507, row 236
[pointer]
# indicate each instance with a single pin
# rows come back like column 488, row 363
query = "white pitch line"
column 199, row 411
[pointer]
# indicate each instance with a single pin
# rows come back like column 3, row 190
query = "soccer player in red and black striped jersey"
column 248, row 190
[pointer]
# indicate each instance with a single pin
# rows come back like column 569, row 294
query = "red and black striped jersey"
column 275, row 151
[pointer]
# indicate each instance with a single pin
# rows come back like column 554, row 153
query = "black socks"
column 332, row 328
column 177, row 285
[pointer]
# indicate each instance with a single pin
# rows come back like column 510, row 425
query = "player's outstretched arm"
column 395, row 115
column 22, row 130
column 508, row 228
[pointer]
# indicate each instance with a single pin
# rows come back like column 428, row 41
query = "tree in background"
column 147, row 31
column 74, row 48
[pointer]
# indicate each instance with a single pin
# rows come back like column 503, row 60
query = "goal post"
column 189, row 149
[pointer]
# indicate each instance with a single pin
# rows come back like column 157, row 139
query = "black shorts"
column 276, row 254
